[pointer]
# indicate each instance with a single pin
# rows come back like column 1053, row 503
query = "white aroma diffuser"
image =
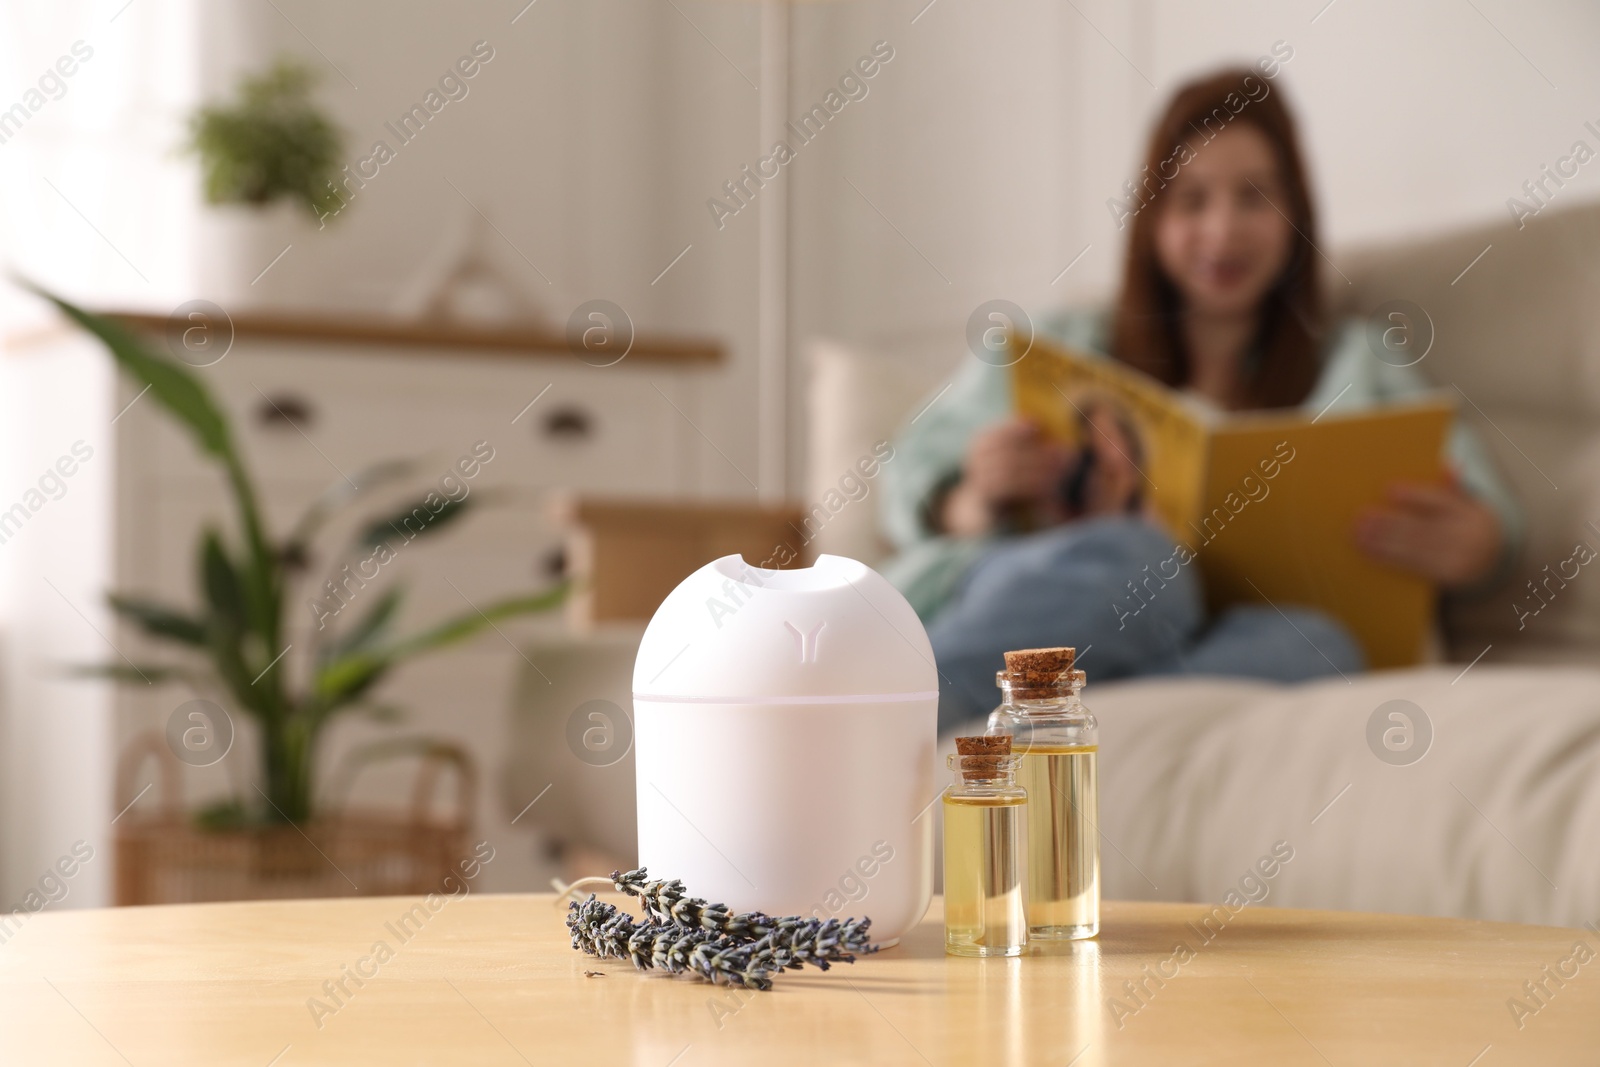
column 785, row 728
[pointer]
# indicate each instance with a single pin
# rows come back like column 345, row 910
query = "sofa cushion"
column 1519, row 330
column 1518, row 334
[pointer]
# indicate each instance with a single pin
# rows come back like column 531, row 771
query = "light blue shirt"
column 930, row 450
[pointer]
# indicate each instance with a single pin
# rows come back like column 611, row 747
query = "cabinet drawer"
column 318, row 415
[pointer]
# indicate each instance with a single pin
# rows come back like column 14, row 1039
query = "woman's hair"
column 1284, row 361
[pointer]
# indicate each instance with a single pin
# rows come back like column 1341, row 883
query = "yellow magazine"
column 1265, row 504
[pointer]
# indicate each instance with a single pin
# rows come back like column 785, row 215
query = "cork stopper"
column 1039, row 671
column 982, row 757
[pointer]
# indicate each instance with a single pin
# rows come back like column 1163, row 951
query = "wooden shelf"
column 397, row 333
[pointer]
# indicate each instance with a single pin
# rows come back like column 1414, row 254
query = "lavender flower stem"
column 684, row 934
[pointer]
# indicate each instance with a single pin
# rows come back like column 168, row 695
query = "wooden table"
column 491, row 980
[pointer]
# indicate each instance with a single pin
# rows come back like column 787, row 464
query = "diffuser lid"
column 833, row 632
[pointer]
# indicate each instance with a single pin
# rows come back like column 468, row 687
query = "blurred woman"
column 1011, row 540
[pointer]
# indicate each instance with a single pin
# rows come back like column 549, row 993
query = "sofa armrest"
column 624, row 556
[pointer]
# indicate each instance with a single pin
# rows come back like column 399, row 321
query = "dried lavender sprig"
column 794, row 940
column 600, row 929
column 666, row 901
column 716, row 958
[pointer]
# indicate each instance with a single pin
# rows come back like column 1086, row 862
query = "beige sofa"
column 1200, row 777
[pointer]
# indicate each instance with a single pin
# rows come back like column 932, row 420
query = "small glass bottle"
column 1058, row 742
column 985, row 852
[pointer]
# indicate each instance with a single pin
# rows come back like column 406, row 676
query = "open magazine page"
column 1265, row 504
column 1055, row 386
column 1281, row 501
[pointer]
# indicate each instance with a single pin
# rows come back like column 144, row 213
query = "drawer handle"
column 285, row 411
column 569, row 423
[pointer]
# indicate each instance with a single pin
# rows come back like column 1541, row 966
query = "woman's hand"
column 1436, row 531
column 1010, row 463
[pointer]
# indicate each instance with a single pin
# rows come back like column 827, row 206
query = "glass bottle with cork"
column 985, row 851
column 1058, row 742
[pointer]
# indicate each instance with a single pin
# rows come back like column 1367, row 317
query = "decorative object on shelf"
column 270, row 143
column 236, row 639
column 814, row 695
column 473, row 276
column 167, row 856
column 1058, row 741
column 681, row 934
column 985, row 851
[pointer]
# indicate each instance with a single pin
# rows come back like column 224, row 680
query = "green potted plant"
column 270, row 143
column 269, row 164
column 236, row 635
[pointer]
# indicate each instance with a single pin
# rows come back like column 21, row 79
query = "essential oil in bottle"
column 985, row 851
column 1058, row 743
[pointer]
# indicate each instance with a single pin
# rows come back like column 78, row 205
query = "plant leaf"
column 224, row 591
column 469, row 623
column 158, row 620
column 171, row 384
column 382, row 530
column 372, row 626
column 227, row 626
column 340, row 493
column 182, row 393
column 343, row 679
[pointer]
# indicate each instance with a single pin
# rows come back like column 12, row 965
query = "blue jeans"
column 1108, row 587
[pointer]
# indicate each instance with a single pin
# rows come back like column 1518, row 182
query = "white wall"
column 965, row 147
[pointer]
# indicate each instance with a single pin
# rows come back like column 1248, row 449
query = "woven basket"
column 164, row 858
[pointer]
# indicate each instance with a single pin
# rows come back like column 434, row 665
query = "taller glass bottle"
column 1058, row 742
